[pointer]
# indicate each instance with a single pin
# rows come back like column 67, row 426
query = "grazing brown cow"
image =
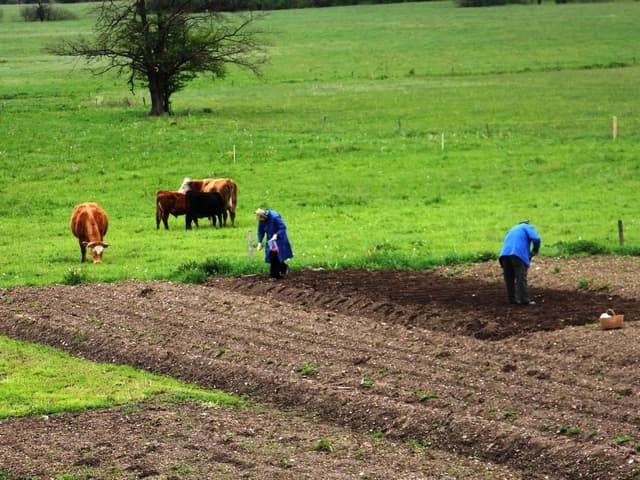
column 89, row 223
column 226, row 187
column 170, row 203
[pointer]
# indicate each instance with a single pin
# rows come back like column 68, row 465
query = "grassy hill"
column 343, row 135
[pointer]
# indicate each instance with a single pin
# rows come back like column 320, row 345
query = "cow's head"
column 96, row 250
column 186, row 185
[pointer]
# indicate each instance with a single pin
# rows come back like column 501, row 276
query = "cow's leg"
column 165, row 220
column 83, row 251
column 157, row 220
column 232, row 214
column 187, row 222
column 195, row 220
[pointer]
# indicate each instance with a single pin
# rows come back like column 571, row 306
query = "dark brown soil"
column 545, row 397
column 195, row 442
column 458, row 304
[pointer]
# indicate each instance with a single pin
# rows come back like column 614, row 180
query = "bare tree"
column 163, row 44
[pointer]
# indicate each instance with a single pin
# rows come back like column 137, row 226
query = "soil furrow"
column 497, row 413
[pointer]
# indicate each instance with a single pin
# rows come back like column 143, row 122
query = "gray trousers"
column 515, row 278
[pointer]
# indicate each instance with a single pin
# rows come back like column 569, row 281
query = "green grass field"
column 37, row 380
column 342, row 135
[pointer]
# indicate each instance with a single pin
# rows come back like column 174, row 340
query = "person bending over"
column 521, row 243
column 278, row 249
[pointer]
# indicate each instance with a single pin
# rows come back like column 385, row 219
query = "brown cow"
column 170, row 203
column 89, row 223
column 226, row 187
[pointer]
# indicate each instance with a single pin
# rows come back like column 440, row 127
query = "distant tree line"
column 45, row 11
column 243, row 5
column 491, row 3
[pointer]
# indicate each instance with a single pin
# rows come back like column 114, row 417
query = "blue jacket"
column 518, row 241
column 275, row 224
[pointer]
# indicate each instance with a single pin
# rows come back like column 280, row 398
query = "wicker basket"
column 613, row 321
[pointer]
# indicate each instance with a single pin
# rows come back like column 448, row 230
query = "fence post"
column 614, row 127
column 620, row 233
column 250, row 240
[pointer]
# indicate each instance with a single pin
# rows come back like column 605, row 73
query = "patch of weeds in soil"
column 584, row 283
column 34, row 304
column 180, row 469
column 308, row 369
column 74, row 276
column 377, row 435
column 359, row 454
column 568, row 430
column 8, row 300
column 510, row 415
column 323, row 445
column 80, row 337
column 366, row 382
column 418, row 445
column 220, row 351
column 424, row 396
column 557, row 269
column 592, row 434
column 622, row 439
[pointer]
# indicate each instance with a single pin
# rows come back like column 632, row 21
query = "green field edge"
column 194, row 272
column 37, row 379
column 199, row 272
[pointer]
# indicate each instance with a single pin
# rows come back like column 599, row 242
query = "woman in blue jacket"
column 278, row 249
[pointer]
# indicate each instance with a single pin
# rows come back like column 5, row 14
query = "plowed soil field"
column 406, row 374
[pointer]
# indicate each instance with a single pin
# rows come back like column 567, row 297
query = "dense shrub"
column 581, row 247
column 491, row 3
column 582, row 1
column 45, row 12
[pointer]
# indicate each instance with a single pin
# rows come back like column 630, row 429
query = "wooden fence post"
column 614, row 127
column 620, row 233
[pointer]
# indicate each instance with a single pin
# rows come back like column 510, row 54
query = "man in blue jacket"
column 515, row 258
column 278, row 249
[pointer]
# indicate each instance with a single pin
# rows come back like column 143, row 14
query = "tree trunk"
column 156, row 103
column 159, row 96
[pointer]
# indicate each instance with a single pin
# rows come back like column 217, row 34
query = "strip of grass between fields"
column 38, row 380
column 198, row 272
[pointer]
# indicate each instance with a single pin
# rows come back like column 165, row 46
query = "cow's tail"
column 233, row 196
column 233, row 201
column 159, row 213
